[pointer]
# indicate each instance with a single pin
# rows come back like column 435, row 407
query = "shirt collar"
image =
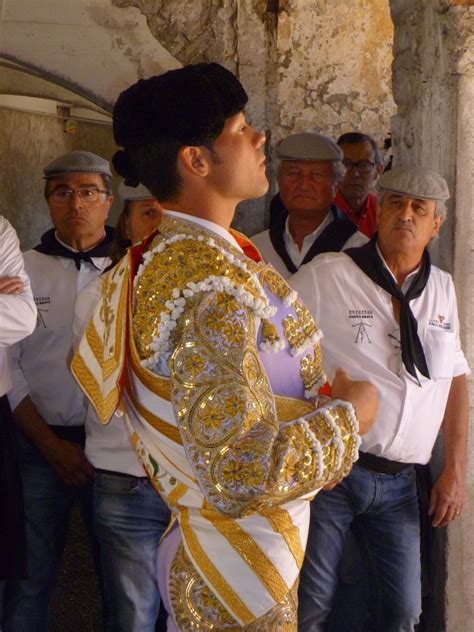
column 311, row 236
column 70, row 247
column 205, row 223
column 408, row 276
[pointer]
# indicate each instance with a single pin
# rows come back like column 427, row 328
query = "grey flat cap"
column 78, row 162
column 309, row 146
column 416, row 182
column 134, row 193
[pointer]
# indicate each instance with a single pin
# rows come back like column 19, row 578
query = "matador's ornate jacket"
column 218, row 366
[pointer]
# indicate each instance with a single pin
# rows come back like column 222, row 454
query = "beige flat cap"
column 309, row 146
column 78, row 162
column 416, row 182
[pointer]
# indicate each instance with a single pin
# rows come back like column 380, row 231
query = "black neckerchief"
column 50, row 246
column 332, row 238
column 370, row 262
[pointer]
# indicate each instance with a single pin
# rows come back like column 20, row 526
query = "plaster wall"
column 87, row 45
column 28, row 142
column 321, row 65
column 433, row 79
column 334, row 67
column 291, row 56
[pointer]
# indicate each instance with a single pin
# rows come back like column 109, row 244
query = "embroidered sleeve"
column 242, row 456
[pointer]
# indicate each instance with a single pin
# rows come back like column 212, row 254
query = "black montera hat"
column 188, row 105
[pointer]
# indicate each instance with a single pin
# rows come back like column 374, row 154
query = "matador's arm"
column 244, row 457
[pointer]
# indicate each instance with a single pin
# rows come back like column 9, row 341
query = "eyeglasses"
column 362, row 166
column 86, row 194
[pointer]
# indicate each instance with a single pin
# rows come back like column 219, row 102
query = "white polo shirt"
column 269, row 254
column 360, row 335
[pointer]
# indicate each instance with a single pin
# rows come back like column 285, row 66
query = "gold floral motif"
column 180, row 263
column 212, row 417
column 298, row 330
column 220, row 413
column 294, row 464
column 311, row 370
column 236, row 474
column 193, row 364
column 275, row 283
column 195, row 607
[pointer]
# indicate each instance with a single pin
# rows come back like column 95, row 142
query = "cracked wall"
column 433, row 79
column 322, row 65
column 334, row 67
column 304, row 64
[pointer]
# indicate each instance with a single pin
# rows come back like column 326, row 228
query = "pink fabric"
column 166, row 553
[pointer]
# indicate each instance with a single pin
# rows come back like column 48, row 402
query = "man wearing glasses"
column 304, row 220
column 364, row 163
column 411, row 352
column 48, row 407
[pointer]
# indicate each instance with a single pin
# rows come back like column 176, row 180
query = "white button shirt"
column 17, row 311
column 269, row 254
column 41, row 361
column 362, row 336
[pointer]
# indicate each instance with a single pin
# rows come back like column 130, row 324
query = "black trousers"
column 12, row 521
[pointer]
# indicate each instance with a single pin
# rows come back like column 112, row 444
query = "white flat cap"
column 416, row 182
column 309, row 146
column 78, row 162
column 134, row 193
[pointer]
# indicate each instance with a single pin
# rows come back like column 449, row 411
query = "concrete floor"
column 76, row 603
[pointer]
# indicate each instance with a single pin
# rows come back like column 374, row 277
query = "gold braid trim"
column 282, row 523
column 213, row 576
column 249, row 551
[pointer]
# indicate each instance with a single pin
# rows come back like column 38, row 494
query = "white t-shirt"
column 361, row 335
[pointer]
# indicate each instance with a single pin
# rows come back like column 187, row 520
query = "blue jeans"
column 48, row 502
column 129, row 520
column 383, row 511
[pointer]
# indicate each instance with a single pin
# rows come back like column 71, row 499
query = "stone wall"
column 28, row 142
column 304, row 64
column 433, row 80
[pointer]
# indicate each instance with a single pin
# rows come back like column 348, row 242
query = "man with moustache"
column 396, row 322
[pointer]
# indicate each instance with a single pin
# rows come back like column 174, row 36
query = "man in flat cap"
column 218, row 391
column 304, row 220
column 48, row 407
column 364, row 163
column 392, row 317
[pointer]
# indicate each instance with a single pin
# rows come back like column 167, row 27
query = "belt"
column 380, row 465
column 76, row 434
column 121, row 474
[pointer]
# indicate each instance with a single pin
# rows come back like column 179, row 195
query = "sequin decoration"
column 195, row 607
